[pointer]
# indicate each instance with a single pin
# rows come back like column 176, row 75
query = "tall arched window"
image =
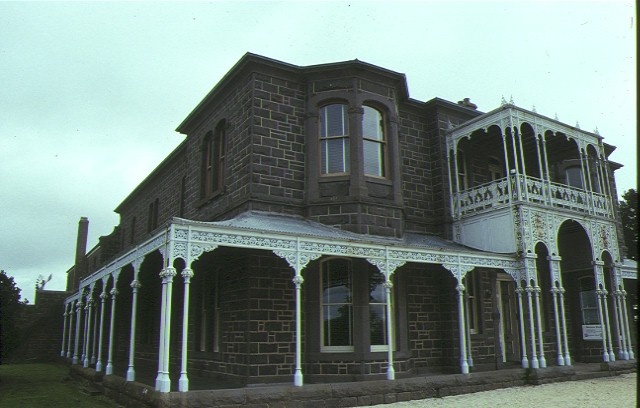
column 214, row 158
column 334, row 139
column 374, row 142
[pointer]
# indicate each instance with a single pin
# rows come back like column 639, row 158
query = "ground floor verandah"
column 345, row 394
column 271, row 299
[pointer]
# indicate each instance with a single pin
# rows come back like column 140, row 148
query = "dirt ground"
column 609, row 392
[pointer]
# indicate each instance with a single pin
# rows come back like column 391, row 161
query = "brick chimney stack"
column 81, row 243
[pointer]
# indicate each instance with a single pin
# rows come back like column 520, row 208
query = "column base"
column 391, row 373
column 93, row 360
column 464, row 367
column 297, row 378
column 534, row 363
column 560, row 360
column 567, row 359
column 163, row 382
column 98, row 366
column 131, row 374
column 543, row 362
column 183, row 383
column 109, row 369
column 525, row 362
column 74, row 360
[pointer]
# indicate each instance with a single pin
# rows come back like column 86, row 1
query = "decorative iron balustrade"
column 517, row 188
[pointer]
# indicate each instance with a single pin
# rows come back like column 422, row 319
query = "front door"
column 509, row 338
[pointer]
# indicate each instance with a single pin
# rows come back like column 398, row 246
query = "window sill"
column 378, row 180
column 328, row 178
column 211, row 197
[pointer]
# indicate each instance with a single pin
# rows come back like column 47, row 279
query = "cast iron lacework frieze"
column 241, row 240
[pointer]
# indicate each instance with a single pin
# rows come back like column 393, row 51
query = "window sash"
column 334, row 139
column 214, row 162
column 337, row 306
column 374, row 142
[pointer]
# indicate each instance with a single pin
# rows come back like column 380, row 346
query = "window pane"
column 574, row 177
column 372, row 124
column 377, row 309
column 337, row 308
column 334, row 121
column 335, row 155
column 373, row 162
column 378, row 324
column 338, row 325
column 334, row 141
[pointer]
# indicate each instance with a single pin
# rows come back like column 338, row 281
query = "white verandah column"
column 542, row 359
column 523, row 333
column 64, row 330
column 71, row 314
column 183, row 382
column 79, row 308
column 135, row 286
column 567, row 355
column 103, row 298
column 85, row 334
column 626, row 322
column 114, row 294
column 556, row 315
column 464, row 365
column 298, row 380
column 89, row 309
column 534, row 353
column 612, row 356
column 163, row 382
column 95, row 333
column 622, row 341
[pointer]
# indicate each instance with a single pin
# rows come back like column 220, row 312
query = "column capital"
column 598, row 263
column 298, row 280
column 187, row 274
column 113, row 292
column 387, row 284
column 135, row 284
column 460, row 288
column 103, row 296
column 167, row 274
column 556, row 258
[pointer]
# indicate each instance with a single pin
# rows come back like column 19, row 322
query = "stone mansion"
column 316, row 224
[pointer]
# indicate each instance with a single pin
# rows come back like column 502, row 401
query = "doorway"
column 507, row 308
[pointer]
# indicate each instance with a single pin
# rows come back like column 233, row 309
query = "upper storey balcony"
column 512, row 155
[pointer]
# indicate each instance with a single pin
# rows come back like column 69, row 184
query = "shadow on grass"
column 46, row 386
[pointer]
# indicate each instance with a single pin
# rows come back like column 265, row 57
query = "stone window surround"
column 313, row 292
column 214, row 138
column 357, row 179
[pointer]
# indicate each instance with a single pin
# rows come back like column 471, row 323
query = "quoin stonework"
column 317, row 224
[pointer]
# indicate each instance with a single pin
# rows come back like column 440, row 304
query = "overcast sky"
column 92, row 92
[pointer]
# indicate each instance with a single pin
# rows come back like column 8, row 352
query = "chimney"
column 81, row 243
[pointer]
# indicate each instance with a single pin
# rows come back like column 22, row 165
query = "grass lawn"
column 44, row 385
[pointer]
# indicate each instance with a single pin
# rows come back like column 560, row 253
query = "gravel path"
column 609, row 392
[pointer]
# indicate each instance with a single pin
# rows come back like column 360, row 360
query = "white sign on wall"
column 591, row 332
